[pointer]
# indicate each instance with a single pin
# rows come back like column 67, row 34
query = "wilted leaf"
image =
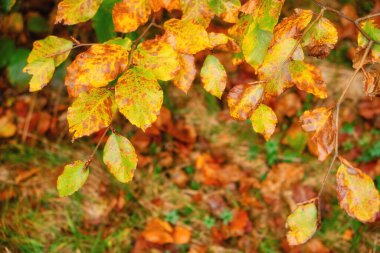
column 72, row 178
column 275, row 68
column 95, row 68
column 302, row 223
column 42, row 71
column 264, row 121
column 244, row 99
column 214, row 76
column 186, row 74
column 357, row 193
column 128, row 15
column 308, row 78
column 158, row 231
column 196, row 11
column 374, row 32
column 158, row 56
column 321, row 123
column 372, row 80
column 227, row 10
column 120, row 157
column 91, row 112
column 321, row 38
column 139, row 96
column 186, row 37
column 71, row 12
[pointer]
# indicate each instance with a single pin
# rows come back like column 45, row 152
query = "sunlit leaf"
column 185, row 36
column 120, row 157
column 320, row 122
column 302, row 223
column 95, row 68
column 186, row 74
column 159, row 57
column 243, row 99
column 357, row 193
column 321, row 38
column 264, row 121
column 42, row 71
column 71, row 12
column 213, row 76
column 128, row 15
column 196, row 11
column 170, row 5
column 227, row 10
column 91, row 112
column 308, row 78
column 72, row 178
column 139, row 96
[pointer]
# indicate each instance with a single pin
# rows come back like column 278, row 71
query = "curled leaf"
column 372, row 80
column 357, row 193
column 186, row 74
column 71, row 12
column 214, row 76
column 128, row 15
column 72, row 178
column 264, row 121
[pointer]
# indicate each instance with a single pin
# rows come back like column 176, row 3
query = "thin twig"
column 96, row 149
column 28, row 118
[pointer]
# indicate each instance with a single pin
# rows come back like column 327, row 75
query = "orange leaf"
column 181, row 235
column 128, row 15
column 186, row 74
column 158, row 231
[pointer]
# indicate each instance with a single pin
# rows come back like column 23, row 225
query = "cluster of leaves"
column 124, row 75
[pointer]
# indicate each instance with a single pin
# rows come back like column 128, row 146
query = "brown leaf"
column 158, row 231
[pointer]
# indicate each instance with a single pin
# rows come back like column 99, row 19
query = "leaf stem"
column 96, row 148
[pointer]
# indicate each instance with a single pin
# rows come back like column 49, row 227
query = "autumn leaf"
column 186, row 74
column 372, row 80
column 196, row 11
column 71, row 12
column 227, row 10
column 169, row 5
column 158, row 231
column 181, row 235
column 42, row 71
column 139, row 96
column 95, row 68
column 213, row 76
column 91, row 112
column 158, row 56
column 357, row 193
column 320, row 122
column 374, row 32
column 120, row 157
column 264, row 121
column 128, row 15
column 126, row 42
column 321, row 38
column 275, row 68
column 242, row 100
column 302, row 223
column 72, row 178
column 308, row 77
column 222, row 42
column 185, row 36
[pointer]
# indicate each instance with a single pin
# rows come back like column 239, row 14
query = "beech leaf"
column 71, row 12
column 227, row 10
column 128, row 15
column 42, row 71
column 72, row 178
column 214, row 76
column 186, row 74
column 264, row 121
column 196, row 11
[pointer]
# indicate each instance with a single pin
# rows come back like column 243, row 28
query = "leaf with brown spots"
column 320, row 122
column 128, row 15
column 213, row 76
column 158, row 56
column 91, row 112
column 357, row 193
column 95, row 68
column 71, row 12
column 372, row 80
column 244, row 99
column 185, row 36
column 186, row 74
column 308, row 78
column 196, row 11
column 227, row 10
column 120, row 157
column 139, row 96
column 264, row 121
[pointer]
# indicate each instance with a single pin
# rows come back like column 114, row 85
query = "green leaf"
column 72, row 178
column 7, row 5
column 7, row 48
column 227, row 10
column 120, row 157
column 102, row 21
column 37, row 24
column 14, row 70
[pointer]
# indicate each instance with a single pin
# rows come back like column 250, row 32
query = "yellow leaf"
column 71, row 12
column 128, row 15
column 170, row 5
column 308, row 78
column 302, row 223
column 321, row 123
column 321, row 38
column 185, row 36
column 95, row 68
column 264, row 121
column 213, row 76
column 243, row 99
column 42, row 71
column 357, row 193
column 196, row 11
column 186, row 74
column 91, row 112
column 139, row 96
column 120, row 157
column 158, row 56
column 72, row 178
